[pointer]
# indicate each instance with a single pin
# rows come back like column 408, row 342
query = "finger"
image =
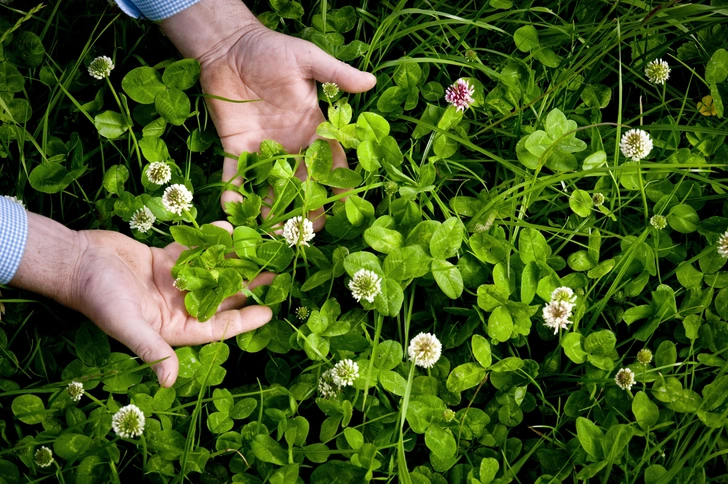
column 223, row 325
column 137, row 335
column 325, row 68
column 238, row 301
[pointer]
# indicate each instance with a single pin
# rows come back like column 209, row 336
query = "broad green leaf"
column 173, row 105
column 143, row 84
column 383, row 240
column 440, row 441
column 393, row 382
column 532, row 247
column 526, row 38
column 447, row 239
column 572, row 344
column 590, row 437
column 600, row 342
column 406, row 263
column 114, row 179
column 50, row 177
column 110, row 124
column 500, row 324
column 182, row 74
column 465, row 376
column 645, row 410
column 448, row 278
column 29, row 409
column 489, row 466
column 481, row 350
column 319, row 159
column 683, row 218
column 716, row 70
column 581, row 203
column 71, row 445
column 92, row 345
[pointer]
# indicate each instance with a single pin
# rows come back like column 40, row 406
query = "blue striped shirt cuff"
column 153, row 9
column 13, row 235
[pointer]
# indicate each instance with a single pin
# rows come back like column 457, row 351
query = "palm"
column 128, row 292
column 278, row 74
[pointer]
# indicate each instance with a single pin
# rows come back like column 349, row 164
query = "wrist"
column 207, row 26
column 51, row 259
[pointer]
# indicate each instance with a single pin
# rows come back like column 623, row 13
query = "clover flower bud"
column 302, row 313
column 331, row 89
column 425, row 349
column 658, row 221
column 142, row 220
column 43, row 457
column 100, row 67
column 636, row 144
column 75, row 390
column 644, row 356
column 657, row 71
column 471, row 55
column 298, row 231
column 177, row 198
column 598, row 199
column 128, row 422
column 624, row 379
column 448, row 415
column 460, row 95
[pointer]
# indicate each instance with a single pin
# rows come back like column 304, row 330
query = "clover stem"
column 194, row 222
column 129, row 122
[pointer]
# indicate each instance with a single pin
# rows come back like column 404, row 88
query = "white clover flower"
column 598, row 199
column 657, row 71
column 302, row 313
column 471, row 55
column 43, row 457
column 723, row 245
column 298, row 231
column 563, row 293
column 644, row 356
column 75, row 390
column 159, row 173
column 425, row 349
column 177, row 198
column 179, row 284
column 15, row 199
column 344, row 373
column 658, row 221
column 636, row 144
column 365, row 284
column 326, row 387
column 556, row 315
column 100, row 67
column 142, row 220
column 624, row 379
column 460, row 95
column 331, row 89
column 128, row 422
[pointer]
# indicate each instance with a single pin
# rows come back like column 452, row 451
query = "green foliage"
column 468, row 218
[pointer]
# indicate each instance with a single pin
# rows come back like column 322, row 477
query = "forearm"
column 50, row 260
column 205, row 26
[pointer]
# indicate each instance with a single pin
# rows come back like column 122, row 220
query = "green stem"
column 129, row 122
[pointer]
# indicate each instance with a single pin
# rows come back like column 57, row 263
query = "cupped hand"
column 127, row 289
column 279, row 73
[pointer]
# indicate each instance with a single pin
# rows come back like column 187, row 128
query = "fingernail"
column 160, row 374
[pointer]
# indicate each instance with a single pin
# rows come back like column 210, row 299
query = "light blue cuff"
column 13, row 235
column 153, row 9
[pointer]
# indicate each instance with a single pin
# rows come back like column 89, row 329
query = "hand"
column 243, row 60
column 126, row 288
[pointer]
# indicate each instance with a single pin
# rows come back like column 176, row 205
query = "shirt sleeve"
column 153, row 9
column 13, row 235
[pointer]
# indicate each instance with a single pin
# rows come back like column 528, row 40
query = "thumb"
column 150, row 347
column 325, row 68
